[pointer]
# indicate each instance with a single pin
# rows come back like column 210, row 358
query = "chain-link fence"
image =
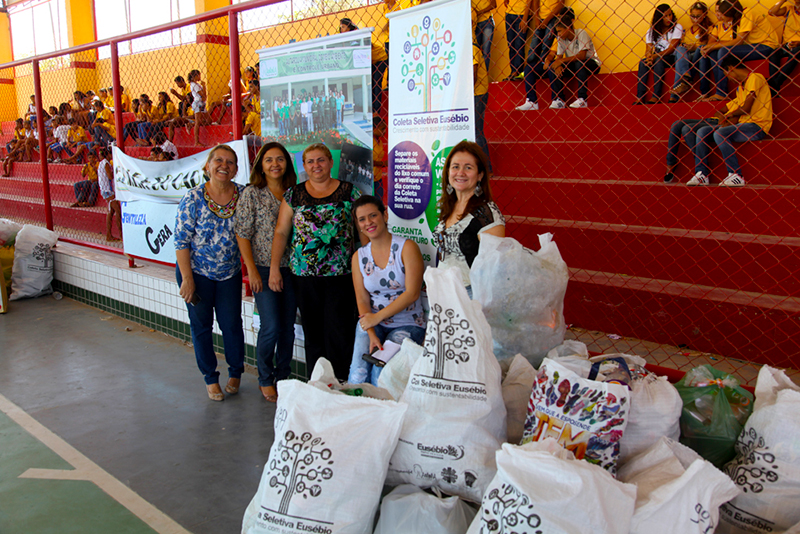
column 578, row 140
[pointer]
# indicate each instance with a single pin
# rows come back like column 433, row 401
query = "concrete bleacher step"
column 61, row 188
column 88, row 219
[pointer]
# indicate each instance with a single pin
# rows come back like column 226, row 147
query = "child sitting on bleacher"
column 574, row 55
column 77, row 140
column 61, row 133
column 661, row 40
column 688, row 53
column 86, row 190
column 748, row 117
column 790, row 9
column 103, row 129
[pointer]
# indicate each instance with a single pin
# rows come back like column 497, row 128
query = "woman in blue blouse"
column 209, row 270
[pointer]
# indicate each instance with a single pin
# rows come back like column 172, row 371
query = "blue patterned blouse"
column 215, row 253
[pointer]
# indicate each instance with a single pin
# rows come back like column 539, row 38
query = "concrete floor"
column 134, row 403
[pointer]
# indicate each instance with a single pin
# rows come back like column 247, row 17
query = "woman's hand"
column 187, row 289
column 374, row 341
column 275, row 280
column 255, row 281
column 368, row 320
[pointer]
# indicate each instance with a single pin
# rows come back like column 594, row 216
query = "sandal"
column 214, row 392
column 232, row 387
column 270, row 393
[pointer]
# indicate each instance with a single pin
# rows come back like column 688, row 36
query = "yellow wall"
column 80, row 21
column 8, row 94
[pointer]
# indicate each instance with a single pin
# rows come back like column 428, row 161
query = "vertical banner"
column 320, row 91
column 149, row 193
column 431, row 109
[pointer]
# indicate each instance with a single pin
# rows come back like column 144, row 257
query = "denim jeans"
column 484, row 31
column 130, row 129
column 277, row 312
column 581, row 69
column 540, row 46
column 146, row 130
column 101, row 136
column 687, row 64
column 480, row 112
column 86, row 192
column 686, row 129
column 792, row 58
column 659, row 68
column 361, row 370
column 736, row 133
column 224, row 298
column 745, row 52
column 516, row 42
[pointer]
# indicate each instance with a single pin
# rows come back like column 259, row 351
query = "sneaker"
column 579, row 103
column 733, row 180
column 529, row 106
column 669, row 177
column 557, row 104
column 698, row 179
column 57, row 160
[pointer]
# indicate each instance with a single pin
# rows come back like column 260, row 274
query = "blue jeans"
column 540, row 46
column 361, row 370
column 745, row 52
column 581, row 69
column 737, row 133
column 484, row 31
column 277, row 313
column 516, row 42
column 480, row 112
column 659, row 68
column 687, row 64
column 792, row 58
column 130, row 130
column 224, row 298
column 146, row 130
column 101, row 136
column 86, row 192
column 686, row 129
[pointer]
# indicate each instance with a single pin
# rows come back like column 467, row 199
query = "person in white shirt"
column 105, row 179
column 662, row 40
column 61, row 133
column 160, row 140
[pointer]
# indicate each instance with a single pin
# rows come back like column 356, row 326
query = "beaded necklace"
column 223, row 212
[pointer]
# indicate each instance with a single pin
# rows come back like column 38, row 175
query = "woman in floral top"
column 466, row 209
column 209, row 270
column 317, row 215
column 254, row 222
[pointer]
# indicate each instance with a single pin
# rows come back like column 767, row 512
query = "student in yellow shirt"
column 688, row 55
column 86, row 190
column 107, row 100
column 77, row 141
column 484, row 26
column 752, row 37
column 125, row 100
column 103, row 129
column 790, row 9
column 517, row 12
column 481, row 88
column 748, row 117
column 546, row 13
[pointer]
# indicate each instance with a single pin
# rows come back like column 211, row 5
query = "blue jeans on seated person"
column 224, row 297
column 145, row 130
column 686, row 129
column 745, row 52
column 101, row 136
column 86, row 192
column 659, row 68
column 277, row 312
column 540, row 46
column 581, row 69
column 361, row 370
column 736, row 133
column 792, row 59
column 687, row 64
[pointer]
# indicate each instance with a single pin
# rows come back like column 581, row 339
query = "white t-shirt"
column 663, row 41
column 170, row 147
column 62, row 134
column 582, row 41
column 197, row 104
column 105, row 181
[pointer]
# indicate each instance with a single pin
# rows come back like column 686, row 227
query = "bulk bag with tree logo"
column 456, row 417
column 327, row 465
column 33, row 262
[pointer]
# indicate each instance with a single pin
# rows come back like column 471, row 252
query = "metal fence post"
column 37, row 90
column 117, row 95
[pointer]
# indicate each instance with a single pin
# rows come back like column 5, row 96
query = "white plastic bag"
column 517, row 386
column 767, row 462
column 395, row 374
column 522, row 295
column 586, row 416
column 32, row 273
column 542, row 488
column 328, row 462
column 410, row 510
column 456, row 417
column 8, row 231
column 677, row 490
column 655, row 413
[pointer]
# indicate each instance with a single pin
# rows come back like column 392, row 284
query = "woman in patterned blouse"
column 254, row 222
column 209, row 270
column 317, row 215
